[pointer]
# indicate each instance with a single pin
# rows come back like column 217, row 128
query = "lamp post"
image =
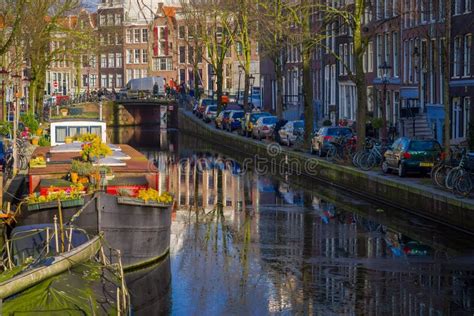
column 16, row 79
column 3, row 77
column 251, row 83
column 385, row 81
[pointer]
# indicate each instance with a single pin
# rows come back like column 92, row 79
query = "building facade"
column 403, row 64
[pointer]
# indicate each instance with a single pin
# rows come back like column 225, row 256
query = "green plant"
column 30, row 121
column 82, row 168
column 327, row 123
column 95, row 149
column 44, row 141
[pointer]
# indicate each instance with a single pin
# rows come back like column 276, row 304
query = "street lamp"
column 385, row 81
column 3, row 77
column 251, row 83
column 212, row 75
column 16, row 79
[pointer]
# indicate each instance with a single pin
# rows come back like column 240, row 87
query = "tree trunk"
column 361, row 86
column 307, row 96
column 246, row 91
column 219, row 87
column 446, row 55
column 279, row 92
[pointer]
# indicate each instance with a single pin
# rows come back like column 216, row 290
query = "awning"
column 409, row 93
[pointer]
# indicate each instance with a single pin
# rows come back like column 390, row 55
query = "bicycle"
column 371, row 157
column 342, row 149
column 462, row 183
column 456, row 171
column 444, row 165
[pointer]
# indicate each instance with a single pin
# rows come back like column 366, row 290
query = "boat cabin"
column 62, row 129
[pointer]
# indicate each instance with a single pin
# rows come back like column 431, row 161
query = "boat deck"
column 60, row 163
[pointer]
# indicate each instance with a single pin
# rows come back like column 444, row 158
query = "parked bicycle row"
column 337, row 144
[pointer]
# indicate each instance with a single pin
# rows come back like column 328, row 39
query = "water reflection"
column 249, row 244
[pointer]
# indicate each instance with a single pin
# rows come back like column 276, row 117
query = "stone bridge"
column 141, row 112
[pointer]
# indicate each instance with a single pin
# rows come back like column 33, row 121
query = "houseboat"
column 139, row 228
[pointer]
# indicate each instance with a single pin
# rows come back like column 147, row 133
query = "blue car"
column 235, row 120
column 2, row 154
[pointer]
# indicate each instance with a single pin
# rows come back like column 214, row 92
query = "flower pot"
column 35, row 141
column 64, row 112
column 68, row 140
column 74, row 177
column 39, row 132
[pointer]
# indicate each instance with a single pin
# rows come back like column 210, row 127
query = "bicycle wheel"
column 462, row 185
column 331, row 154
column 451, row 176
column 433, row 172
column 23, row 162
column 439, row 177
column 355, row 159
column 367, row 161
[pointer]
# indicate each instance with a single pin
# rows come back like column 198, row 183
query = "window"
column 102, row 39
column 102, row 19
column 110, row 83
column 110, row 19
column 467, row 6
column 92, row 80
column 467, row 107
column 111, row 60
column 145, row 35
column 129, row 56
column 387, row 51
column 129, row 74
column 182, row 32
column 457, row 6
column 103, row 81
column 351, row 59
column 103, row 61
column 239, row 48
column 191, row 54
column 61, row 134
column 96, row 130
column 441, row 9
column 379, row 55
column 370, row 61
column 182, row 54
column 467, row 54
column 395, row 49
column 137, row 36
column 341, row 59
column 117, row 39
column 137, row 56
column 129, row 36
column 457, row 57
column 144, row 56
column 119, row 81
column 118, row 19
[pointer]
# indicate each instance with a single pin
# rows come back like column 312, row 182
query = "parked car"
column 290, row 132
column 203, row 103
column 210, row 113
column 223, row 116
column 234, row 121
column 264, row 127
column 249, row 120
column 322, row 140
column 408, row 154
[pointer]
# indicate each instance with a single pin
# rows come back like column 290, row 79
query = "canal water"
column 249, row 243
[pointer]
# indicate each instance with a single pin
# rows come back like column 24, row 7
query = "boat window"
column 97, row 130
column 60, row 134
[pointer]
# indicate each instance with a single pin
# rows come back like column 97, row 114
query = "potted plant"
column 68, row 140
column 64, row 111
column 94, row 150
column 80, row 170
column 35, row 140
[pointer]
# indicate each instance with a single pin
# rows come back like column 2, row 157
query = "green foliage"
column 30, row 121
column 377, row 122
column 44, row 141
column 83, row 168
column 327, row 123
column 5, row 128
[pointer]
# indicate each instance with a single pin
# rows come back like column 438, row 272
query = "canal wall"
column 306, row 169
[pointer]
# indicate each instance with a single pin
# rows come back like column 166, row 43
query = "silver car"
column 264, row 127
column 290, row 132
column 210, row 113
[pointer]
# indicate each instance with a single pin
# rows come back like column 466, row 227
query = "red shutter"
column 166, row 41
column 155, row 41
